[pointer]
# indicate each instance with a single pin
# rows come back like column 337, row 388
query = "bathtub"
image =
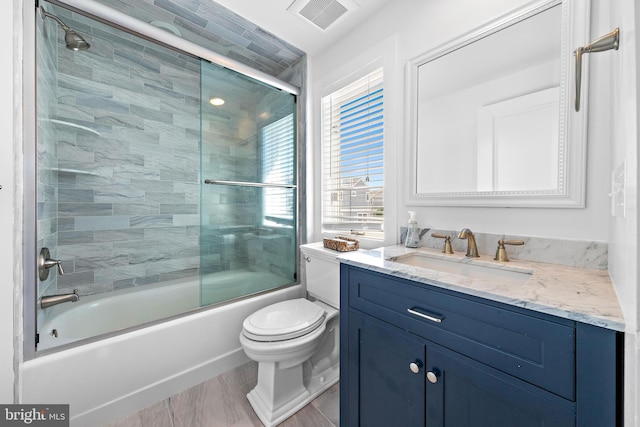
column 106, row 379
column 101, row 314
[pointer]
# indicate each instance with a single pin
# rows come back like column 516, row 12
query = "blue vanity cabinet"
column 414, row 355
column 382, row 386
column 464, row 393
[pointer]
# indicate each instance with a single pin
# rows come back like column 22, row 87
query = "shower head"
column 73, row 40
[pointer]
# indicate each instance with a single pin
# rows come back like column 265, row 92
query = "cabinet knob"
column 415, row 366
column 433, row 375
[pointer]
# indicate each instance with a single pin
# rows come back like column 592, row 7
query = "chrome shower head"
column 73, row 40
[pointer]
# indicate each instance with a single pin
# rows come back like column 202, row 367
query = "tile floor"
column 222, row 402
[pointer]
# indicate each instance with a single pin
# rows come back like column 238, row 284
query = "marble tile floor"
column 222, row 402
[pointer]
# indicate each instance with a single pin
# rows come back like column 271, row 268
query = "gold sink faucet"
column 472, row 248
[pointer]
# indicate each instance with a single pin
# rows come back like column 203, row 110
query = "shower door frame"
column 116, row 19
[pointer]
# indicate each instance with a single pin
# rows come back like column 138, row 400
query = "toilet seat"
column 283, row 321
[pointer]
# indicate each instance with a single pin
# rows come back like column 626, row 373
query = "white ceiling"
column 272, row 15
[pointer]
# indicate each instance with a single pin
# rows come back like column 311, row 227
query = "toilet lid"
column 283, row 320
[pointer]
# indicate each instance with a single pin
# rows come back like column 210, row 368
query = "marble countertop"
column 579, row 294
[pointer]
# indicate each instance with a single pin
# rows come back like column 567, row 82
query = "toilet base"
column 271, row 415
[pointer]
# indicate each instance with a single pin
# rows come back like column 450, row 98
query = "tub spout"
column 52, row 300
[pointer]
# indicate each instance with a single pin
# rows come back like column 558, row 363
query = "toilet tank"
column 322, row 273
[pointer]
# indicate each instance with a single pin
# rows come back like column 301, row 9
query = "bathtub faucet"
column 52, row 300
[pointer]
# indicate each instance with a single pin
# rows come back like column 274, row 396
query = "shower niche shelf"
column 74, row 171
column 64, row 123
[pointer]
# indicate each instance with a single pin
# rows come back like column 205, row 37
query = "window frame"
column 337, row 192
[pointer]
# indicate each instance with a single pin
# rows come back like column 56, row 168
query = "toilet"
column 296, row 342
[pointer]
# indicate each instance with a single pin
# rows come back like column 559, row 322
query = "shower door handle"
column 247, row 184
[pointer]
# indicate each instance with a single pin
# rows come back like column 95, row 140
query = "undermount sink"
column 510, row 275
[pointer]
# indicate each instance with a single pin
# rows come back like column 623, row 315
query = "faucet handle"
column 447, row 242
column 45, row 263
column 56, row 262
column 511, row 242
column 501, row 252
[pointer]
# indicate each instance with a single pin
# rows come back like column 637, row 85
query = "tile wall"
column 233, row 235
column 215, row 27
column 127, row 161
column 46, row 150
column 126, row 116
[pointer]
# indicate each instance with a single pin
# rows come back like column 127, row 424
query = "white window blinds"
column 352, row 158
column 278, row 168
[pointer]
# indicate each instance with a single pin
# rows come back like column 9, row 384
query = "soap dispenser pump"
column 413, row 232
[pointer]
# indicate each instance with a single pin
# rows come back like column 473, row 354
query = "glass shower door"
column 248, row 201
column 121, row 201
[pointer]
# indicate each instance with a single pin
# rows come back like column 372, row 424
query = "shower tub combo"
column 107, row 378
column 173, row 217
column 96, row 315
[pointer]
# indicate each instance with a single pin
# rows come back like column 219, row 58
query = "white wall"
column 419, row 26
column 11, row 14
column 623, row 242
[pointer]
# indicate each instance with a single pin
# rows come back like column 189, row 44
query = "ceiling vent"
column 322, row 13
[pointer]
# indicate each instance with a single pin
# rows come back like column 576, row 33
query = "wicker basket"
column 341, row 244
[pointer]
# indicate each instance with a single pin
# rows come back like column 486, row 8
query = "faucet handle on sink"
column 501, row 253
column 447, row 242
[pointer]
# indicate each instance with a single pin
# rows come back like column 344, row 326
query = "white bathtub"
column 104, row 313
column 107, row 379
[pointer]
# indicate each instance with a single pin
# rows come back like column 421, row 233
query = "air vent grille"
column 323, row 12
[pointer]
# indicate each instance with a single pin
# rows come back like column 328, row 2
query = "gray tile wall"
column 232, row 234
column 128, row 200
column 215, row 27
column 229, row 147
column 46, row 149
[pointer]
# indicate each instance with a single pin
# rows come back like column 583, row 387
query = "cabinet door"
column 382, row 388
column 469, row 394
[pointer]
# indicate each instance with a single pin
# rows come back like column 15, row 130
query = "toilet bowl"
column 296, row 343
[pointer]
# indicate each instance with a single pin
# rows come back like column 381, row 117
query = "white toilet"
column 296, row 342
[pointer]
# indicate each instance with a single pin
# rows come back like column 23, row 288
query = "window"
column 352, row 158
column 277, row 168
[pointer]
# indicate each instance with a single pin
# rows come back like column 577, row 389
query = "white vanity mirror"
column 491, row 118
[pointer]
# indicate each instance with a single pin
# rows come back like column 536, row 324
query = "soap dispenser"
column 413, row 232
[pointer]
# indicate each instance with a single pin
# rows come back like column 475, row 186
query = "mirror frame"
column 572, row 143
